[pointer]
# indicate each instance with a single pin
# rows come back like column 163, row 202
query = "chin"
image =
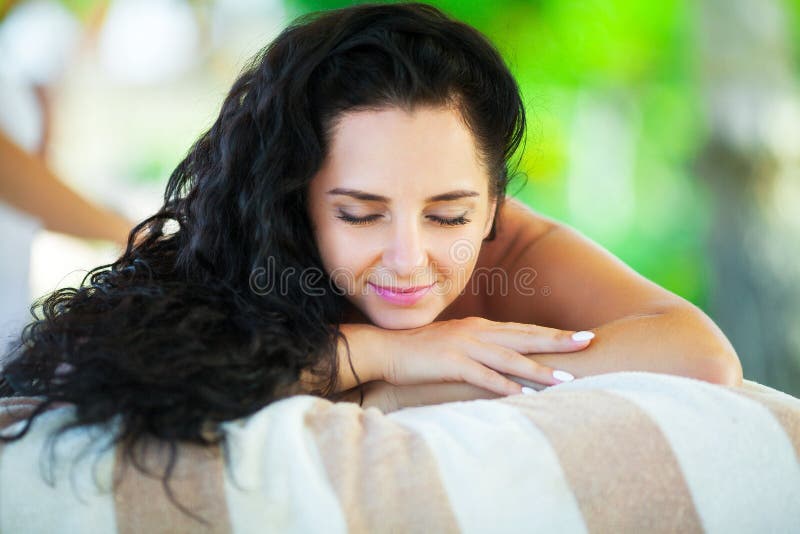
column 402, row 320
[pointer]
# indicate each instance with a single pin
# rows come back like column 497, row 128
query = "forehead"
column 395, row 152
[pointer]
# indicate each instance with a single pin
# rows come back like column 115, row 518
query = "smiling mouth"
column 402, row 290
column 402, row 297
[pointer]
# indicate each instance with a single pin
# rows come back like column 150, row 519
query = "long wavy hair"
column 171, row 339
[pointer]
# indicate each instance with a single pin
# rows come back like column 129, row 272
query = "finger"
column 527, row 383
column 479, row 375
column 508, row 361
column 530, row 338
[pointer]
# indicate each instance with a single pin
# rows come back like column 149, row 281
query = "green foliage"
column 83, row 9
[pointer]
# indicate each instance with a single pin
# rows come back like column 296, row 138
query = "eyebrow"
column 370, row 197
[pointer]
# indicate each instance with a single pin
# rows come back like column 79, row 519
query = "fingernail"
column 527, row 391
column 562, row 376
column 583, row 335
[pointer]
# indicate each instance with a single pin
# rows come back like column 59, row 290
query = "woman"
column 362, row 157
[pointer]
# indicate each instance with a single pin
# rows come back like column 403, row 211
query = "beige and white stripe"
column 723, row 443
column 366, row 454
column 34, row 498
column 195, row 483
column 473, row 443
column 622, row 452
column 602, row 468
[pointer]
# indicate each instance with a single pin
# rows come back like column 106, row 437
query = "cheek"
column 341, row 250
column 330, row 246
column 456, row 257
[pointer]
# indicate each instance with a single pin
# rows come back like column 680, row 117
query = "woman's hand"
column 470, row 351
column 475, row 351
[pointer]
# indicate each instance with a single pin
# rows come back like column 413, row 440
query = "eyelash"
column 357, row 221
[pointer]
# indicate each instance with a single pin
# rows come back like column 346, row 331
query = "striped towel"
column 620, row 452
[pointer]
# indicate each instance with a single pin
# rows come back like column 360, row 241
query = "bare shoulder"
column 518, row 226
column 556, row 276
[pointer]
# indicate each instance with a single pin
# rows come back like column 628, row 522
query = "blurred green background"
column 664, row 130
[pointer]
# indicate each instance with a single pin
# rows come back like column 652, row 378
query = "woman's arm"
column 680, row 340
column 472, row 350
column 668, row 342
column 573, row 283
column 389, row 398
column 366, row 353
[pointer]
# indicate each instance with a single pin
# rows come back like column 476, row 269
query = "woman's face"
column 401, row 202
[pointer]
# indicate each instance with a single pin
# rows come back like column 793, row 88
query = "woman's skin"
column 406, row 158
column 503, row 307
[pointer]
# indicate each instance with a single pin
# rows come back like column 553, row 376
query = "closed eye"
column 455, row 221
column 442, row 221
column 357, row 220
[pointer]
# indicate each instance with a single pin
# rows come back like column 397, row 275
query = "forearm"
column 389, row 398
column 366, row 353
column 27, row 184
column 682, row 341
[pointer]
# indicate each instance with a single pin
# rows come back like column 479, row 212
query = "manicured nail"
column 562, row 376
column 583, row 335
column 527, row 391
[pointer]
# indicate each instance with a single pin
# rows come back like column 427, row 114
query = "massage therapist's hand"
column 476, row 351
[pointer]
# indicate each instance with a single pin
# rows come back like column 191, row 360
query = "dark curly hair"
column 171, row 337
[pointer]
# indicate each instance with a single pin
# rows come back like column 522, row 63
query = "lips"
column 402, row 290
column 399, row 296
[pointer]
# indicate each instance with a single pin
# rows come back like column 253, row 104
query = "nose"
column 405, row 252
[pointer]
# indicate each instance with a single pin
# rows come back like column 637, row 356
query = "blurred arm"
column 27, row 184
